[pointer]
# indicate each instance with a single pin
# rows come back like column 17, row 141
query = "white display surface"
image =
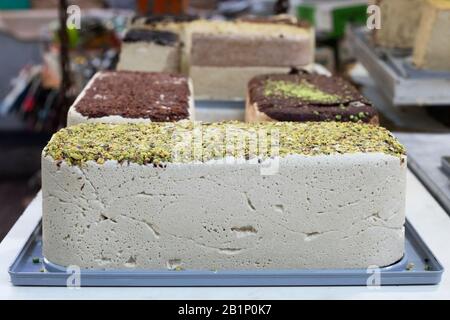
column 430, row 220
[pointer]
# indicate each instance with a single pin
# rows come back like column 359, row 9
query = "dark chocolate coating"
column 164, row 38
column 350, row 106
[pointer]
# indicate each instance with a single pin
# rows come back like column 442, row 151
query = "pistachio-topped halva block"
column 223, row 196
column 133, row 97
column 306, row 97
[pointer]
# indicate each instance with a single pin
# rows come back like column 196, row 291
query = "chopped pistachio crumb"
column 303, row 90
column 338, row 117
column 410, row 266
column 159, row 143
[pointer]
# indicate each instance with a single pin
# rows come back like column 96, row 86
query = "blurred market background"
column 35, row 90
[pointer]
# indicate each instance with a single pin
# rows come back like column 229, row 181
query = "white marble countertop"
column 430, row 220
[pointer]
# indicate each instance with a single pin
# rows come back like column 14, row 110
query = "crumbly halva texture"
column 155, row 142
column 300, row 212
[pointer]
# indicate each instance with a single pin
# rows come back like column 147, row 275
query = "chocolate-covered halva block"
column 131, row 96
column 150, row 50
column 224, row 55
column 311, row 195
column 306, row 97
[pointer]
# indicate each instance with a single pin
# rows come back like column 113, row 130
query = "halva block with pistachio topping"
column 223, row 196
column 306, row 97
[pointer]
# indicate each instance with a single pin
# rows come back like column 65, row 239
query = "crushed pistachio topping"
column 303, row 90
column 185, row 141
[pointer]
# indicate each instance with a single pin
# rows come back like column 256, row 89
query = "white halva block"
column 325, row 211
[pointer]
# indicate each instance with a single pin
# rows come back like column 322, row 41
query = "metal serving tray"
column 445, row 163
column 418, row 267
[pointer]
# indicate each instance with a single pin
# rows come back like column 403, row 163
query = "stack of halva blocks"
column 135, row 183
column 219, row 56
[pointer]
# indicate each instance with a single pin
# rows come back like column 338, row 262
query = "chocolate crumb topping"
column 130, row 94
column 164, row 38
column 309, row 97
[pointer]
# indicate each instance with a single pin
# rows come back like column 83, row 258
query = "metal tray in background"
column 425, row 153
column 219, row 110
column 445, row 163
column 399, row 81
column 418, row 267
